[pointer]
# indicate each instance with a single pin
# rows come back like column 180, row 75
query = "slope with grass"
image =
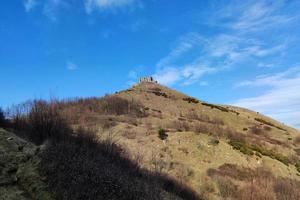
column 199, row 136
column 217, row 151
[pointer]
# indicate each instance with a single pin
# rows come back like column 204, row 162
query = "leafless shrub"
column 256, row 130
column 148, row 125
column 179, row 125
column 184, row 150
column 267, row 128
column 201, row 128
column 39, row 120
column 204, row 118
column 111, row 105
column 226, row 187
column 287, row 189
column 255, row 192
column 129, row 134
column 207, row 188
column 258, row 183
column 3, row 121
column 297, row 140
column 107, row 123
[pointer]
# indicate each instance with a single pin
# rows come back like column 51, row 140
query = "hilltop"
column 215, row 150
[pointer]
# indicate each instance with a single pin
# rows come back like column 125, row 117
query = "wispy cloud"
column 168, row 76
column 239, row 44
column 29, row 5
column 186, row 75
column 185, row 44
column 210, row 55
column 91, row 5
column 281, row 100
column 250, row 15
column 265, row 65
column 50, row 8
column 71, row 66
column 53, row 8
column 277, row 79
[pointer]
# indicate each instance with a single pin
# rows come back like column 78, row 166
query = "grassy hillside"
column 217, row 151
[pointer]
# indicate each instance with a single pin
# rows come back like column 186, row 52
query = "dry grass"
column 259, row 183
column 297, row 140
column 182, row 120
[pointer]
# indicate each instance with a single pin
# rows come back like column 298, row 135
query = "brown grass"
column 77, row 165
column 258, row 183
column 297, row 140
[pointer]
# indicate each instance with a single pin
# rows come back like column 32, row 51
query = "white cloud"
column 194, row 55
column 213, row 55
column 203, row 83
column 281, row 100
column 168, row 76
column 50, row 8
column 278, row 79
column 185, row 75
column 71, row 66
column 251, row 16
column 265, row 65
column 29, row 5
column 193, row 73
column 91, row 5
column 185, row 44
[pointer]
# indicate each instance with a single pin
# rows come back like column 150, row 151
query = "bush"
column 75, row 109
column 38, row 121
column 226, row 187
column 119, row 106
column 214, row 142
column 297, row 165
column 269, row 123
column 287, row 189
column 257, row 131
column 162, row 134
column 257, row 183
column 212, row 106
column 241, row 146
column 190, row 100
column 297, row 151
column 201, row 128
column 297, row 140
column 2, row 118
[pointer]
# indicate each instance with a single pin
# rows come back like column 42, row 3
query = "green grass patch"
column 249, row 149
column 242, row 147
column 216, row 107
column 297, row 165
column 268, row 123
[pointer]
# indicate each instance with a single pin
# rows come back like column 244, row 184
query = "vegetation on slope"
column 257, row 183
column 77, row 165
column 139, row 118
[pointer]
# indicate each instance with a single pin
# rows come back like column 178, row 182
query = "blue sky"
column 243, row 53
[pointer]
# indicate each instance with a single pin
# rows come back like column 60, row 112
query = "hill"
column 218, row 151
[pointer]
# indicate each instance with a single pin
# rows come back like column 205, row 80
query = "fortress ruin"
column 147, row 79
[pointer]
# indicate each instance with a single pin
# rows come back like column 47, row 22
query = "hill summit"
column 218, row 151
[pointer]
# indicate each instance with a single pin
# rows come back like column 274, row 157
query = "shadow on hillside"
column 79, row 166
